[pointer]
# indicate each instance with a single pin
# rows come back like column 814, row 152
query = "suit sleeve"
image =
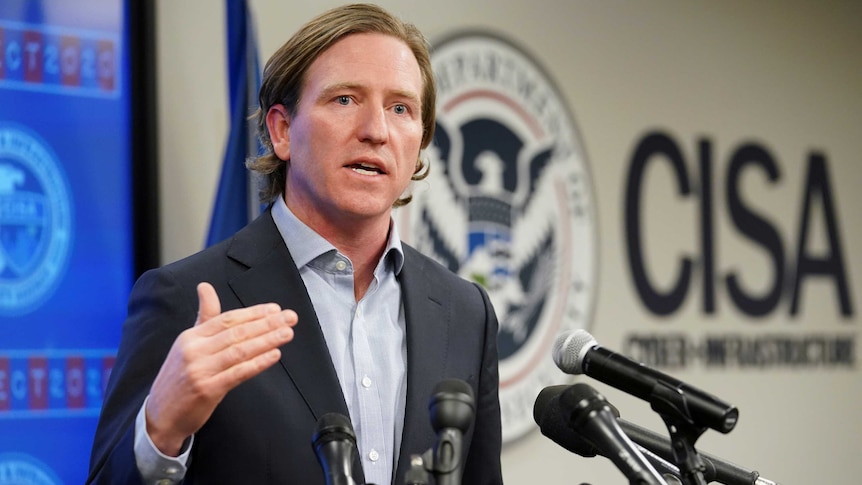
column 483, row 459
column 159, row 309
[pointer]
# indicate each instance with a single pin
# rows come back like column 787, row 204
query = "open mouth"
column 366, row 169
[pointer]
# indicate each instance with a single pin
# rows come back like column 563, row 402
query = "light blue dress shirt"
column 366, row 339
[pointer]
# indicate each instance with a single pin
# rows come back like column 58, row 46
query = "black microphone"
column 334, row 443
column 451, row 408
column 717, row 469
column 577, row 352
column 592, row 416
column 553, row 422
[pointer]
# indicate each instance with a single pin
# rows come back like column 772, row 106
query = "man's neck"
column 362, row 240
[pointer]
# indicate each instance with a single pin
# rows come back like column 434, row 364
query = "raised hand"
column 206, row 361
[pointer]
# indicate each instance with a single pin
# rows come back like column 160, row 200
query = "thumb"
column 209, row 305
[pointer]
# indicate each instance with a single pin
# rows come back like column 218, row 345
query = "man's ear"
column 278, row 122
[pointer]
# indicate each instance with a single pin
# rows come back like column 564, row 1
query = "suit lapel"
column 272, row 277
column 428, row 317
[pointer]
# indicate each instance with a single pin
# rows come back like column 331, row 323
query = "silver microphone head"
column 570, row 348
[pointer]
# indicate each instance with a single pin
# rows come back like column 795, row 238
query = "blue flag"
column 235, row 204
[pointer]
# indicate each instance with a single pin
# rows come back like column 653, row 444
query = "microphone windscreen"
column 333, row 426
column 554, row 422
column 544, row 400
column 451, row 405
column 570, row 349
column 453, row 389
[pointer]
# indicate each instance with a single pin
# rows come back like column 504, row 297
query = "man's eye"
column 400, row 109
column 344, row 100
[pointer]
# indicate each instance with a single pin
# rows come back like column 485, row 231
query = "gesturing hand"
column 206, row 361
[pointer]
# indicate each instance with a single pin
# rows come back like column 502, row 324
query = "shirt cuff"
column 155, row 467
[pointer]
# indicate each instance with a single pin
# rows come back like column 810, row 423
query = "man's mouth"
column 366, row 169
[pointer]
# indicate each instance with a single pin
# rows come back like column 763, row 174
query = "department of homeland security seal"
column 21, row 469
column 35, row 221
column 509, row 204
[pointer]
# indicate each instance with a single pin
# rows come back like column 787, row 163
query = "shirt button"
column 373, row 455
column 340, row 265
column 366, row 382
column 171, row 470
column 164, row 481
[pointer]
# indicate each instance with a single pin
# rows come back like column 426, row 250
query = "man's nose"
column 373, row 125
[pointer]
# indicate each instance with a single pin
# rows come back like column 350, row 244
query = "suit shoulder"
column 436, row 275
column 236, row 253
column 195, row 264
column 429, row 265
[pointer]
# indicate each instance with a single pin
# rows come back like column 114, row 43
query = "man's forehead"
column 364, row 60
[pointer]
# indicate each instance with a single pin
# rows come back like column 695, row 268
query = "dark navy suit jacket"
column 268, row 422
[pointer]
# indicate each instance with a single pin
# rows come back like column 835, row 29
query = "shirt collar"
column 306, row 245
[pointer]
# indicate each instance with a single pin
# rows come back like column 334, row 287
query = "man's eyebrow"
column 334, row 88
column 410, row 95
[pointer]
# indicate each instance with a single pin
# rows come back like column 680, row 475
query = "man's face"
column 355, row 137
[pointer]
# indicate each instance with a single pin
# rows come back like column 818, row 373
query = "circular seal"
column 35, row 221
column 21, row 469
column 509, row 204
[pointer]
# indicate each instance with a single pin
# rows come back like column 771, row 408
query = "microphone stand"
column 416, row 475
column 717, row 469
column 669, row 402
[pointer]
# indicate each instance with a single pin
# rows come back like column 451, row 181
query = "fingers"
column 209, row 305
column 246, row 338
column 211, row 321
column 245, row 369
column 212, row 366
column 246, row 341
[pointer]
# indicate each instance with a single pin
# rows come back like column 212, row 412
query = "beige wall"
column 783, row 74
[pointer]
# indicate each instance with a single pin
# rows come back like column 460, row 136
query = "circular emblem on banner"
column 35, row 221
column 509, row 204
column 21, row 469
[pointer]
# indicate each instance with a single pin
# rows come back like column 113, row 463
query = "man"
column 230, row 356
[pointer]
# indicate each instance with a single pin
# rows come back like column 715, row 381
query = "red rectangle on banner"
column 37, row 382
column 31, row 56
column 106, row 65
column 70, row 60
column 75, row 382
column 5, row 397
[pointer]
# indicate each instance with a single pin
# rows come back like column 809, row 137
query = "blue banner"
column 66, row 241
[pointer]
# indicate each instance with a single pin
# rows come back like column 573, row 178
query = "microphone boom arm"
column 670, row 403
column 717, row 469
